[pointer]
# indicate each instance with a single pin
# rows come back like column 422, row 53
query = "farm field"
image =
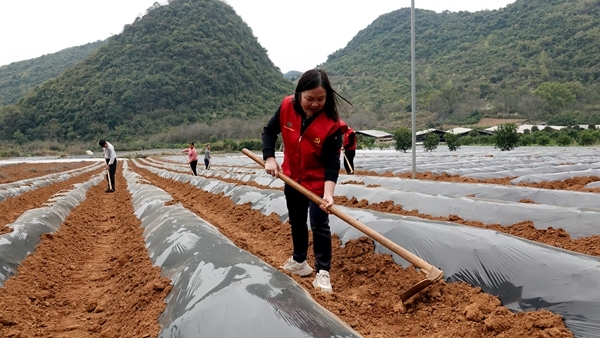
column 509, row 229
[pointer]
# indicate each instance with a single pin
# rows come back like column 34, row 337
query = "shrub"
column 431, row 141
column 452, row 141
column 251, row 144
column 486, row 140
column 572, row 133
column 564, row 140
column 506, row 137
column 542, row 139
column 467, row 141
column 586, row 138
column 526, row 140
column 403, row 139
column 365, row 142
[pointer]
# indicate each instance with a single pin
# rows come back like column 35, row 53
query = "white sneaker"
column 322, row 281
column 302, row 269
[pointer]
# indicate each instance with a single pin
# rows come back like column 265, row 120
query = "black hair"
column 102, row 143
column 315, row 78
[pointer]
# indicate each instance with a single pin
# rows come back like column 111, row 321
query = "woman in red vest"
column 311, row 131
column 349, row 148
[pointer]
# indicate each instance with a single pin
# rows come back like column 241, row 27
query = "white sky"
column 298, row 35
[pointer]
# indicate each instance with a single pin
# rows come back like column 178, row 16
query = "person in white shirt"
column 111, row 163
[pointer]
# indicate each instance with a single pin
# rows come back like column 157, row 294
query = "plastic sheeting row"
column 18, row 187
column 493, row 204
column 32, row 224
column 534, row 164
column 220, row 290
column 525, row 275
column 482, row 162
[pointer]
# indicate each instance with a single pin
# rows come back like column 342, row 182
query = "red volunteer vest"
column 301, row 153
column 349, row 146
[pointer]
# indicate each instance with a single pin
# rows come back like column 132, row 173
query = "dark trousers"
column 193, row 165
column 350, row 155
column 299, row 208
column 206, row 162
column 112, row 169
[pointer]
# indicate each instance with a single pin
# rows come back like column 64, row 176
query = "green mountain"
column 186, row 62
column 511, row 62
column 195, row 62
column 292, row 75
column 17, row 78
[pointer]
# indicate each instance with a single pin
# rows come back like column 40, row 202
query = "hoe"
column 348, row 162
column 432, row 274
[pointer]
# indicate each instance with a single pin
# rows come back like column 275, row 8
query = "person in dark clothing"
column 207, row 156
column 349, row 150
column 311, row 130
column 111, row 163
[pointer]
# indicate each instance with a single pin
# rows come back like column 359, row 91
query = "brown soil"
column 489, row 122
column 20, row 171
column 12, row 207
column 93, row 277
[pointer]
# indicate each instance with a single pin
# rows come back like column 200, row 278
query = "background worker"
column 192, row 157
column 311, row 130
column 207, row 156
column 349, row 150
column 111, row 163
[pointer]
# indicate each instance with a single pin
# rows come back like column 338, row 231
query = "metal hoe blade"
column 434, row 275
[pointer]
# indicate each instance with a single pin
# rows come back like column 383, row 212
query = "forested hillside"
column 195, row 62
column 535, row 59
column 17, row 78
column 189, row 61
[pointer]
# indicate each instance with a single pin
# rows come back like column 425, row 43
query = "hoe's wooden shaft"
column 348, row 163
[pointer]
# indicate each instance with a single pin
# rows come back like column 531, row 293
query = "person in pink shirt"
column 192, row 156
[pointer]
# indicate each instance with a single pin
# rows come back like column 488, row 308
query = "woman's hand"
column 329, row 203
column 271, row 167
column 328, row 196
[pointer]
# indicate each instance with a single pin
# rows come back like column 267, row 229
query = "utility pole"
column 413, row 89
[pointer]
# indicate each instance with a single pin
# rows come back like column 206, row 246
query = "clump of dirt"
column 353, row 182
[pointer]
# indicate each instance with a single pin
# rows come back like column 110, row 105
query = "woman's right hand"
column 272, row 167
